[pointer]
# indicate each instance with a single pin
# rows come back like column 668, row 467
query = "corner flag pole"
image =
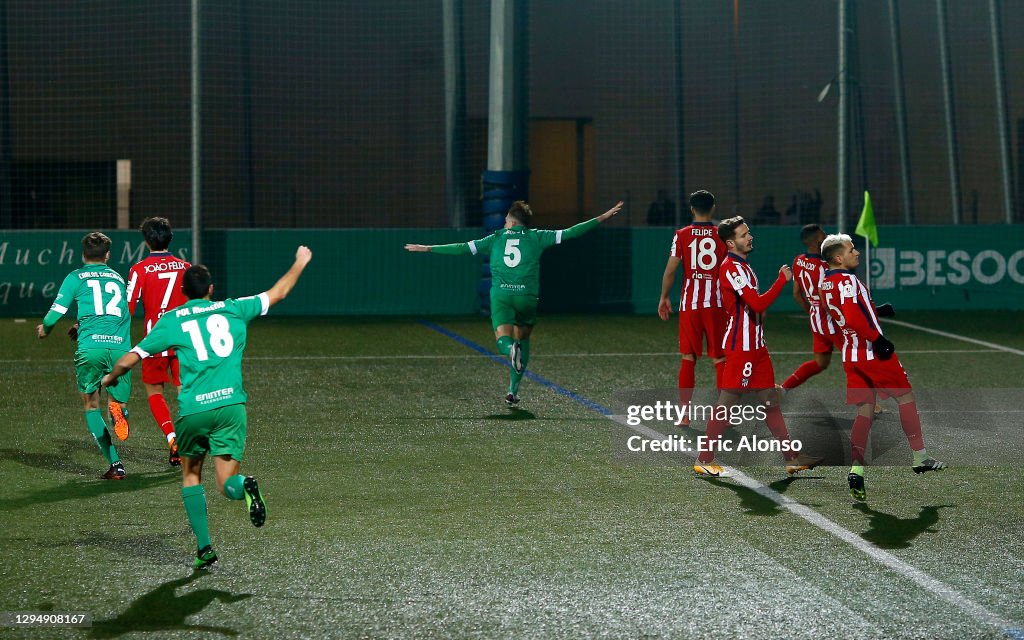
column 867, row 228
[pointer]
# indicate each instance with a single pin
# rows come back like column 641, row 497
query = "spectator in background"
column 767, row 214
column 662, row 212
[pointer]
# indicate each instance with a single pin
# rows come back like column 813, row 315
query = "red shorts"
column 748, row 371
column 696, row 325
column 824, row 343
column 864, row 380
column 158, row 369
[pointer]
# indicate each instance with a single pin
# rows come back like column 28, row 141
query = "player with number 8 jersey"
column 156, row 281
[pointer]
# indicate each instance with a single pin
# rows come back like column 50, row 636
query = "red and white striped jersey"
column 745, row 331
column 156, row 282
column 808, row 272
column 847, row 301
column 701, row 251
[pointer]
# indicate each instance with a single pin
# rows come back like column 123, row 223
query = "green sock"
column 194, row 498
column 920, row 457
column 98, row 427
column 515, row 378
column 858, row 469
column 234, row 487
column 505, row 345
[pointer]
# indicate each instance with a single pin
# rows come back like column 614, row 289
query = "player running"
column 156, row 282
column 869, row 359
column 515, row 252
column 209, row 338
column 698, row 248
column 103, row 334
column 748, row 367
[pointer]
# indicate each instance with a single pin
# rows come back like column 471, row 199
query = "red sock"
column 802, row 373
column 777, row 425
column 686, row 381
column 714, row 432
column 859, row 437
column 910, row 420
column 158, row 406
column 719, row 372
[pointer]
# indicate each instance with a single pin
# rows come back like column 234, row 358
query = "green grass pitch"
column 405, row 500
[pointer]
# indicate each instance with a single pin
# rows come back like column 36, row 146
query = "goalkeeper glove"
column 883, row 348
column 885, row 310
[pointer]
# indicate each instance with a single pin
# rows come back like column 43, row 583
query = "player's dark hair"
column 520, row 210
column 157, row 233
column 196, row 281
column 95, row 246
column 810, row 230
column 702, row 201
column 727, row 228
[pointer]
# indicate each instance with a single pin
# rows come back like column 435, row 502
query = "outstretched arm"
column 578, row 230
column 284, row 285
column 483, row 245
column 121, row 367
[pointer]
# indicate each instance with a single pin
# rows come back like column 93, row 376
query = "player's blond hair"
column 832, row 245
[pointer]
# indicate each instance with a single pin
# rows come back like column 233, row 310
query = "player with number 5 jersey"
column 210, row 338
column 155, row 282
column 514, row 256
column 104, row 333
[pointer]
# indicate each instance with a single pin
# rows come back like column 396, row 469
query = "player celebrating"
column 103, row 334
column 808, row 270
column 156, row 282
column 698, row 248
column 748, row 367
column 869, row 359
column 209, row 338
column 515, row 252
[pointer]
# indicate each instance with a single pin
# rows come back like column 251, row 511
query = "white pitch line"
column 956, row 336
column 937, row 587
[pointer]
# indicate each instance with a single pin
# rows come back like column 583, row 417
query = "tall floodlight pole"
column 1004, row 128
column 901, row 111
column 844, row 123
column 454, row 112
column 196, row 257
column 947, row 91
column 680, row 149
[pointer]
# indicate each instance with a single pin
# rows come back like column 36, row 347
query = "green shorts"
column 90, row 367
column 219, row 432
column 517, row 310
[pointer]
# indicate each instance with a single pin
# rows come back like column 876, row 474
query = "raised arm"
column 284, row 285
column 578, row 230
column 759, row 303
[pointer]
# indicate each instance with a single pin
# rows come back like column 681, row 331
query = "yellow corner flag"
column 866, row 226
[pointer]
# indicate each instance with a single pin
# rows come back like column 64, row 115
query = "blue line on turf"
column 1015, row 634
column 466, row 342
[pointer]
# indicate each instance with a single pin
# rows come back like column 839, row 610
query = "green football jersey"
column 515, row 254
column 103, row 319
column 209, row 339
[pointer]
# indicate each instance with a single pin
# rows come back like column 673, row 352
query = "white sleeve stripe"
column 265, row 301
column 558, row 237
column 59, row 308
column 472, row 247
column 142, row 354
